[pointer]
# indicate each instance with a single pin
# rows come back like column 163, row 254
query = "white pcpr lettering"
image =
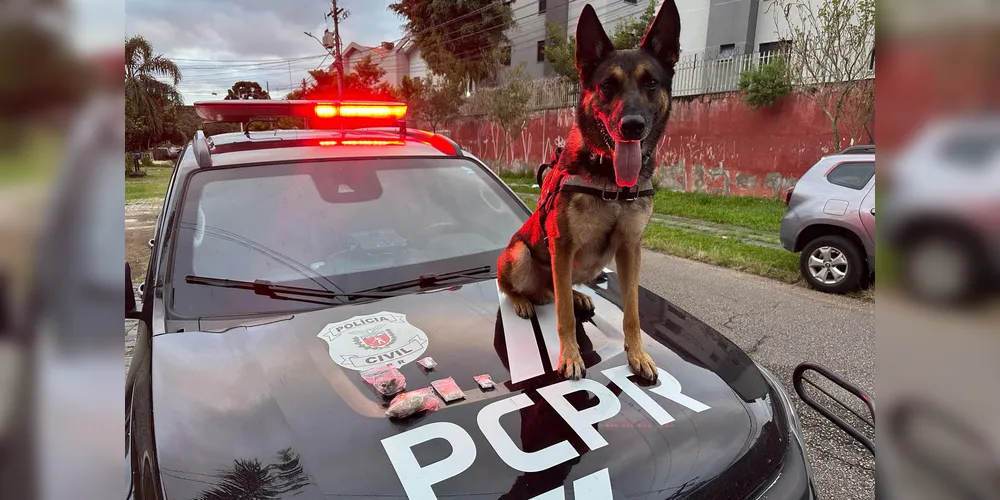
column 596, row 486
column 668, row 387
column 489, row 423
column 581, row 421
column 417, row 480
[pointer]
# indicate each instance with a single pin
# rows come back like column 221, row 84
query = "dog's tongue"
column 628, row 163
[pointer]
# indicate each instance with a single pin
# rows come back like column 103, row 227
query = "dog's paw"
column 582, row 303
column 571, row 364
column 642, row 365
column 523, row 307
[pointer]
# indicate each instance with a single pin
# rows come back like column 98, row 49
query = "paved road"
column 781, row 325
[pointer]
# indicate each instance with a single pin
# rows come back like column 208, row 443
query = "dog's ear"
column 663, row 38
column 592, row 43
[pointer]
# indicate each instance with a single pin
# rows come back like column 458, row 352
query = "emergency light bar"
column 351, row 114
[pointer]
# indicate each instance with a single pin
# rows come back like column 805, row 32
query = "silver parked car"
column 831, row 220
column 944, row 210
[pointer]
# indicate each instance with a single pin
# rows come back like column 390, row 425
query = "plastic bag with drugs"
column 448, row 389
column 413, row 402
column 387, row 380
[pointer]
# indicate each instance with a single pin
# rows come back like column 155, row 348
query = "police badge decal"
column 364, row 342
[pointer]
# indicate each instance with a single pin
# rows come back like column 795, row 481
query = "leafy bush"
column 146, row 161
column 765, row 84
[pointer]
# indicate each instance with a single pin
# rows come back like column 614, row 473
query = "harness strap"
column 625, row 194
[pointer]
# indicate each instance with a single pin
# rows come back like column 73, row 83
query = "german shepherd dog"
column 597, row 200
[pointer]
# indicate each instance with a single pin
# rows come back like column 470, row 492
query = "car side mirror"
column 131, row 311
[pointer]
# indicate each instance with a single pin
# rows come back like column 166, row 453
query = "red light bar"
column 363, row 142
column 370, row 113
column 361, row 110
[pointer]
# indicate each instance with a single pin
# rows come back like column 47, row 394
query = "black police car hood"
column 280, row 408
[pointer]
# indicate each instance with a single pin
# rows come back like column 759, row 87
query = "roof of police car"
column 289, row 145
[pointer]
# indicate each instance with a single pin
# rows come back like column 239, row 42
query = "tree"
column 147, row 96
column 507, row 105
column 40, row 72
column 459, row 39
column 246, row 90
column 432, row 102
column 629, row 32
column 829, row 53
column 364, row 82
column 560, row 52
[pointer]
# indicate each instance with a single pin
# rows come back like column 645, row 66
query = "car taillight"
column 788, row 194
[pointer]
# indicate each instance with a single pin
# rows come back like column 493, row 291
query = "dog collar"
column 599, row 158
column 606, row 191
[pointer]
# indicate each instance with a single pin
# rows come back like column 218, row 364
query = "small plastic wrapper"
column 427, row 363
column 387, row 380
column 413, row 402
column 485, row 382
column 448, row 389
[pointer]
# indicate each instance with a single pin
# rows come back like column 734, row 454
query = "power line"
column 531, row 33
column 266, row 66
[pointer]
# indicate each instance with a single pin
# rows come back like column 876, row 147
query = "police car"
column 287, row 263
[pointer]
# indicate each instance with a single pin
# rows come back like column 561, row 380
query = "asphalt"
column 779, row 326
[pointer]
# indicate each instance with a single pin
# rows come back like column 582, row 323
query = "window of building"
column 871, row 61
column 505, row 56
column 854, row 175
column 727, row 50
column 541, row 6
column 541, row 50
column 771, row 48
column 633, row 2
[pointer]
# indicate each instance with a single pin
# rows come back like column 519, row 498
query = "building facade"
column 711, row 29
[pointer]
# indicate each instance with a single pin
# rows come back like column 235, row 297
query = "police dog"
column 597, row 200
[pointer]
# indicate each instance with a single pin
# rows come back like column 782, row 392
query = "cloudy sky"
column 217, row 42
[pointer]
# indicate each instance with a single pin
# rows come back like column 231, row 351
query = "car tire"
column 940, row 268
column 832, row 264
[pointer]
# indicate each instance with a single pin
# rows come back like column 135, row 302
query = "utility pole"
column 338, row 61
column 331, row 42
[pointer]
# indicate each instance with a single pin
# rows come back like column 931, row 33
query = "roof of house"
column 356, row 47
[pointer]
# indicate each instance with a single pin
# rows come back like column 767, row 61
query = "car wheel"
column 832, row 264
column 939, row 268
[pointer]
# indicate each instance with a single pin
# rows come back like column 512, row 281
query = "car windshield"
column 344, row 225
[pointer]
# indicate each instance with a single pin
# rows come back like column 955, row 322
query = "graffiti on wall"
column 713, row 144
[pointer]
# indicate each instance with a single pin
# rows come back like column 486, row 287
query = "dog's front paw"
column 571, row 364
column 641, row 364
column 582, row 303
column 523, row 307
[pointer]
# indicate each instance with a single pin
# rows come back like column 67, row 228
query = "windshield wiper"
column 429, row 280
column 266, row 288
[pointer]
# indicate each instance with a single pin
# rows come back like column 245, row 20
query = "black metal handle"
column 797, row 380
column 873, row 211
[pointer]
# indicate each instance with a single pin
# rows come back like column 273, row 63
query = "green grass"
column 754, row 259
column 153, row 185
column 528, row 179
column 762, row 261
column 34, row 160
column 760, row 214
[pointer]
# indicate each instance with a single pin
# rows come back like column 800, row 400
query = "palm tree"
column 146, row 94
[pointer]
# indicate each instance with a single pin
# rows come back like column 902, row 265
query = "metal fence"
column 694, row 74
